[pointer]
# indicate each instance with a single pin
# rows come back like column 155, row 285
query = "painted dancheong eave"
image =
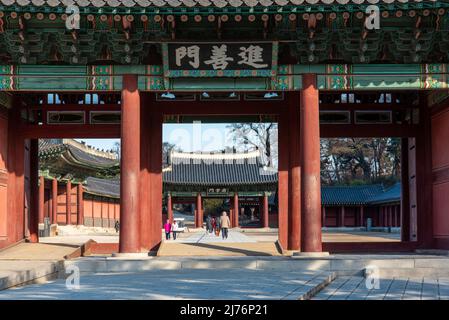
column 336, row 77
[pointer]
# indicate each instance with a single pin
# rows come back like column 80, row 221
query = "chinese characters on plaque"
column 220, row 59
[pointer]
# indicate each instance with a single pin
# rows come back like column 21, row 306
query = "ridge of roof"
column 390, row 194
column 194, row 3
column 48, row 146
column 214, row 155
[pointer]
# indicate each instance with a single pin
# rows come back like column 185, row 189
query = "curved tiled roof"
column 103, row 187
column 392, row 194
column 349, row 195
column 360, row 195
column 75, row 152
column 193, row 3
column 218, row 170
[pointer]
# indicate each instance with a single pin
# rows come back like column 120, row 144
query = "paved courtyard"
column 354, row 288
column 177, row 284
column 206, row 237
column 230, row 284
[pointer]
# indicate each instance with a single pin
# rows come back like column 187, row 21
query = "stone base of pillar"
column 284, row 252
column 310, row 254
column 134, row 255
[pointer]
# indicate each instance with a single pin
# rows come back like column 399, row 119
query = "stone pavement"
column 80, row 239
column 180, row 284
column 354, row 288
column 37, row 251
column 206, row 237
column 202, row 243
column 218, row 249
column 26, row 262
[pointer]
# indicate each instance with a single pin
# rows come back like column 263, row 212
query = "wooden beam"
column 106, row 131
column 75, row 107
column 217, row 108
column 368, row 130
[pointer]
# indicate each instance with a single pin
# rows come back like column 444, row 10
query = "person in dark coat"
column 217, row 226
column 117, row 226
column 209, row 224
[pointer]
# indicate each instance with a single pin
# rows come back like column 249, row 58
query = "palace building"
column 319, row 69
column 239, row 180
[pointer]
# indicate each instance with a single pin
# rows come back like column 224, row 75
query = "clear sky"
column 188, row 137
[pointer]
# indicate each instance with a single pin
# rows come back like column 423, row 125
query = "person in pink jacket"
column 167, row 228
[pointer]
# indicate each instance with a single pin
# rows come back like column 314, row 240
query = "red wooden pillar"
column 283, row 176
column 169, row 208
column 156, row 191
column 294, row 221
column 324, row 216
column 342, row 216
column 130, row 167
column 41, row 199
column 15, row 207
column 424, row 179
column 231, row 210
column 34, row 199
column 396, row 216
column 235, row 223
column 80, row 205
column 54, row 200
column 405, row 191
column 311, row 187
column 266, row 221
column 199, row 211
column 390, row 216
column 381, row 215
column 68, row 204
column 362, row 216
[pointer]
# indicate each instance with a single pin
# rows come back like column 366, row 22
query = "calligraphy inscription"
column 216, row 58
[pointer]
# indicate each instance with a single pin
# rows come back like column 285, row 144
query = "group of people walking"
column 172, row 228
column 213, row 225
column 217, row 224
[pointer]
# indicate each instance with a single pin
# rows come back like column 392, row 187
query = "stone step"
column 342, row 266
column 17, row 273
column 312, row 287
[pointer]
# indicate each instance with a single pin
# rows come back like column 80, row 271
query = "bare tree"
column 116, row 149
column 261, row 135
column 360, row 160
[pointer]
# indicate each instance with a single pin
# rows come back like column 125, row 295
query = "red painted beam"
column 363, row 106
column 368, row 130
column 205, row 108
column 75, row 107
column 106, row 131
